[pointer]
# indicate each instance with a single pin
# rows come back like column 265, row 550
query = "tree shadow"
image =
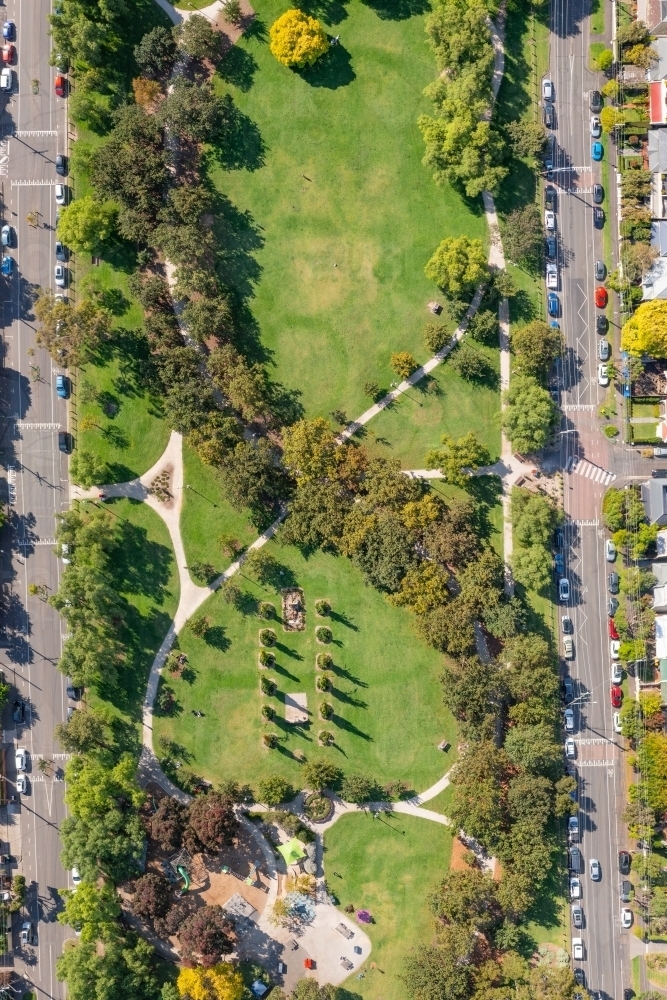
column 331, row 11
column 141, row 566
column 345, row 674
column 332, row 71
column 285, row 673
column 347, row 699
column 240, row 146
column 238, row 68
column 337, row 720
column 522, row 307
column 215, row 636
column 238, row 237
column 398, row 10
column 116, row 436
column 286, row 651
column 113, row 300
column 257, row 29
column 338, row 616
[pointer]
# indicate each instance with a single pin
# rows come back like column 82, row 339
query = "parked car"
column 597, row 150
column 601, row 297
column 616, row 696
column 21, row 784
column 603, row 376
column 624, row 862
column 553, row 304
column 568, row 689
column 570, row 748
column 60, row 85
column 604, row 349
column 609, row 547
column 573, row 828
column 547, row 90
column 61, row 165
column 616, row 673
column 18, row 713
column 61, row 194
column 6, row 79
column 7, row 235
column 596, row 101
column 566, row 625
column 60, row 275
column 568, row 716
column 76, row 877
column 26, row 933
column 552, row 276
column 549, row 116
column 568, row 648
column 62, row 386
column 594, row 869
column 75, row 693
column 577, row 916
column 552, row 246
column 575, row 888
column 7, row 266
column 618, row 728
column 549, row 221
column 8, row 54
column 564, row 590
column 626, row 918
column 601, row 324
column 64, row 442
column 660, row 452
column 595, row 127
column 21, row 757
column 598, row 194
column 655, row 473
column 614, row 649
column 598, row 217
column 612, row 606
column 65, row 550
column 579, row 978
column 550, row 198
column 600, row 270
column 613, row 583
column 577, row 949
column 613, row 631
column 629, row 994
column 626, row 891
column 62, row 253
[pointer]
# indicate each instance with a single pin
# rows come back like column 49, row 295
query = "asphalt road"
column 590, row 461
column 34, row 129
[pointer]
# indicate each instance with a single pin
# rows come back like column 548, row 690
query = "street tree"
column 536, row 346
column 469, row 363
column 85, row 225
column 458, row 266
column 463, row 150
column 87, row 469
column 83, row 732
column 71, row 334
column 523, row 240
column 534, row 749
column 220, row 982
column 93, row 910
column 527, row 139
column 530, row 568
column 403, row 364
column 124, row 967
column 530, row 416
column 646, row 330
column 296, row 39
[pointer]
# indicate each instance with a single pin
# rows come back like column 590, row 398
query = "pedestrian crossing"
column 589, row 471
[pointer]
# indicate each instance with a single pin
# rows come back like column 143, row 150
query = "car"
column 570, row 748
column 8, row 30
column 26, row 933
column 61, row 194
column 568, row 648
column 553, row 304
column 62, row 253
column 7, row 235
column 609, row 547
column 564, row 590
column 601, row 297
column 626, row 918
column 604, row 349
column 613, row 631
column 547, row 90
column 595, row 101
column 594, row 869
column 577, row 949
column 75, row 693
column 76, row 877
column 568, row 689
column 8, row 54
column 21, row 784
column 64, row 442
column 598, row 217
column 575, row 888
column 549, row 221
column 552, row 246
column 60, row 86
column 6, row 79
column 577, row 916
column 559, row 564
column 552, row 275
column 21, row 757
column 612, row 606
column 616, row 672
column 61, row 165
column 568, row 716
column 566, row 625
column 616, row 696
column 660, row 452
column 603, row 376
column 7, row 266
column 601, row 324
column 598, row 194
column 60, row 275
column 595, row 127
column 549, row 116
column 65, row 551
column 629, row 994
column 574, row 859
column 579, row 977
column 624, row 862
column 62, row 386
column 573, row 828
column 618, row 728
column 600, row 269
column 626, row 891
column 60, row 61
column 550, row 198
column 659, row 473
column 613, row 583
column 18, row 713
column 597, row 150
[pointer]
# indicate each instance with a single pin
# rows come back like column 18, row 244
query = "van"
column 660, row 452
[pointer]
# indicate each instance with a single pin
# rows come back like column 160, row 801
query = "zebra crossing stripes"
column 589, row 471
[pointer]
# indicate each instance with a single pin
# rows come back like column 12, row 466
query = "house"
column 660, row 599
column 661, row 637
column 654, row 282
column 654, row 15
column 657, row 94
column 657, row 164
column 659, row 570
column 661, row 546
column 658, row 70
column 654, row 498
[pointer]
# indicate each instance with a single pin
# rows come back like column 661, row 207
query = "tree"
column 193, row 111
column 252, row 480
column 244, row 385
column 357, row 788
column 124, row 967
column 87, row 469
column 93, row 910
column 466, row 898
column 152, row 896
column 212, row 822
column 168, row 824
column 479, row 784
column 534, row 749
column 422, row 589
column 552, row 983
column 481, row 581
column 205, row 936
column 431, row 973
column 85, row 224
column 633, row 33
column 199, row 39
column 536, row 346
column 646, row 331
column 641, row 55
column 530, row 415
column 403, row 364
column 463, row 150
column 649, row 868
column 198, row 625
column 111, row 845
column 604, row 60
column 220, row 982
column 460, row 36
column 384, row 552
column 458, row 459
column 274, row 790
column 435, row 337
column 296, row 39
column 527, row 139
column 83, row 732
column 308, row 989
column 309, row 448
column 484, row 324
column 451, row 539
column 534, row 517
column 506, row 619
column 320, row 774
column 531, row 569
column 469, row 363
column 233, row 12
column 71, row 334
column 652, row 761
column 612, row 118
column 458, row 266
column 523, row 239
column 449, row 628
column 316, row 515
column 156, row 52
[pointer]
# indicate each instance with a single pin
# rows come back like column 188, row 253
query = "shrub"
column 266, row 658
column 233, row 12
column 435, row 337
column 323, row 634
column 297, row 39
column 611, row 431
column 324, row 661
column 268, row 712
column 323, row 682
column 274, row 790
column 357, row 788
column 165, row 699
column 267, row 686
column 199, row 625
column 396, row 789
column 270, row 740
column 320, row 774
column 322, row 608
column 326, row 709
column 203, row 572
column 267, row 637
column 266, row 610
column 326, row 737
column 403, row 364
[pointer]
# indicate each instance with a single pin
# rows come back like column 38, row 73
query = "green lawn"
column 388, row 866
column 389, row 711
column 331, row 216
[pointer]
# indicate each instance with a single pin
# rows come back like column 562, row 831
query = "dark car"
column 629, row 994
column 613, row 583
column 596, row 102
column 8, row 30
column 659, row 473
column 65, row 442
column 559, row 563
column 601, row 324
column 549, row 115
column 598, row 194
column 61, row 165
column 626, row 891
column 17, row 714
column 612, row 606
column 624, row 861
column 552, row 247
column 574, row 859
column 75, row 693
column 568, row 690
column 62, row 253
column 598, row 217
column 579, row 977
column 600, row 270
column 550, row 198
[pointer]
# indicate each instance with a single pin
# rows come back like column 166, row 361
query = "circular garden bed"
column 318, row 808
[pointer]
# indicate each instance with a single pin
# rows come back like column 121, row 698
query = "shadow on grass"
column 238, row 68
column 336, row 616
column 332, row 71
column 286, row 651
column 241, row 146
column 331, row 11
column 215, row 636
column 398, row 10
column 238, row 237
column 348, row 727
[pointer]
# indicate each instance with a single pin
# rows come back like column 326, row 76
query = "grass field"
column 334, row 215
column 388, row 866
column 388, row 707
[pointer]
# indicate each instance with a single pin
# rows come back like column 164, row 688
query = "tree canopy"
column 296, row 39
column 646, row 331
column 457, row 266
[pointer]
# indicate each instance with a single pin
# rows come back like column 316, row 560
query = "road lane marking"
column 578, row 407
column 37, row 541
column 34, row 183
column 586, row 524
column 593, row 741
column 596, row 763
column 28, row 131
column 25, row 425
column 589, row 471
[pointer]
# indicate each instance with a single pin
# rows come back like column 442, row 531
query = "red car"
column 601, row 297
column 8, row 54
column 613, row 634
column 60, row 84
column 616, row 696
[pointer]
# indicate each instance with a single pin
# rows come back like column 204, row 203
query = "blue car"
column 554, row 324
column 7, row 266
column 559, row 564
column 597, row 150
column 62, row 386
column 553, row 304
column 8, row 30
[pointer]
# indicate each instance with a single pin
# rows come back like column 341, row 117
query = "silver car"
column 568, row 716
column 604, row 350
column 594, row 869
column 596, row 127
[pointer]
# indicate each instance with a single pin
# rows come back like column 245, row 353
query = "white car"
column 610, row 551
column 6, row 79
column 626, row 918
column 65, row 554
column 568, row 715
column 21, row 759
column 615, row 648
column 603, row 377
column 76, row 877
column 573, row 828
column 578, row 949
column 568, row 648
column 616, row 673
column 564, row 590
column 594, row 869
column 575, row 888
column 552, row 276
column 547, row 90
column 60, row 276
column 549, row 221
column 618, row 728
column 570, row 748
column 21, row 784
column 61, row 194
column 596, row 127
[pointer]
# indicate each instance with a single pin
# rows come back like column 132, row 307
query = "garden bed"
column 318, row 808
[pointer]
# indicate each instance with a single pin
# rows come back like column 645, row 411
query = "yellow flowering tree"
column 297, row 39
column 220, row 982
column 646, row 331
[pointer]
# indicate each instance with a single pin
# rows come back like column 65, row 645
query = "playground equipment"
column 184, row 875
